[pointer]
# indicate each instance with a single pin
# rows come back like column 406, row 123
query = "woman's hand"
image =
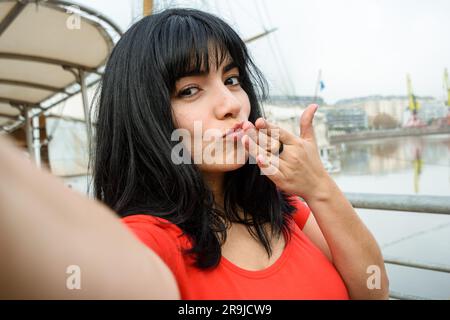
column 298, row 169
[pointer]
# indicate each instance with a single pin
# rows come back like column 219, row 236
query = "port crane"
column 413, row 105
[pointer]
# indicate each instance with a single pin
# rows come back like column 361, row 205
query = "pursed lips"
column 235, row 131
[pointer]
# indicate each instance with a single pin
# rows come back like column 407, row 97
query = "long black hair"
column 132, row 168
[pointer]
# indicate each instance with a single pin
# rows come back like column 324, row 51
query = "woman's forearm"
column 356, row 254
column 45, row 228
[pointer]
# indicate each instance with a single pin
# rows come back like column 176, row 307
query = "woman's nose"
column 227, row 104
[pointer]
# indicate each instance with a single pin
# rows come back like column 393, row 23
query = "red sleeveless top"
column 301, row 272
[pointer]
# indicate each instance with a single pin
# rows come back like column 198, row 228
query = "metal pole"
column 32, row 135
column 408, row 203
column 81, row 78
column 29, row 132
column 417, row 265
column 401, row 296
column 316, row 91
column 36, row 141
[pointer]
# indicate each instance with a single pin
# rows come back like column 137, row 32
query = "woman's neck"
column 214, row 180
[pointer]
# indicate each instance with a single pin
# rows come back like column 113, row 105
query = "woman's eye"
column 188, row 92
column 233, row 81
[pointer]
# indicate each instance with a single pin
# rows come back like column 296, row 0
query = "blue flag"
column 322, row 85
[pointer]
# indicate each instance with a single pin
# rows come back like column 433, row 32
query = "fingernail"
column 262, row 159
column 263, row 122
column 243, row 139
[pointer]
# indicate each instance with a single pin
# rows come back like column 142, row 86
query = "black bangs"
column 194, row 44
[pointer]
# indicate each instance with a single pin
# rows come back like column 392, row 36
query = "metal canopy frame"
column 28, row 110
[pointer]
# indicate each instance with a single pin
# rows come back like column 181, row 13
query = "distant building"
column 432, row 110
column 286, row 112
column 396, row 107
column 302, row 101
column 345, row 119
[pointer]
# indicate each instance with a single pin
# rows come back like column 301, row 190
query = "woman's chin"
column 225, row 165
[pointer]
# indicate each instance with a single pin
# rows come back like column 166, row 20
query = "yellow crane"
column 414, row 105
column 447, row 87
column 447, row 92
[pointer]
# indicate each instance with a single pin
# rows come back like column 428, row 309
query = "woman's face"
column 206, row 105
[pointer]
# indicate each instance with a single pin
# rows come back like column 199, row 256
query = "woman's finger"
column 306, row 122
column 269, row 169
column 255, row 150
column 275, row 131
column 262, row 138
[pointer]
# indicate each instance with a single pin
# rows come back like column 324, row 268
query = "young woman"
column 220, row 207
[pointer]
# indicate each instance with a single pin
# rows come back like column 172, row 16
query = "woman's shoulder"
column 150, row 221
column 301, row 212
column 145, row 226
column 160, row 235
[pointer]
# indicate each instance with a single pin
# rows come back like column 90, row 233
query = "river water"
column 406, row 165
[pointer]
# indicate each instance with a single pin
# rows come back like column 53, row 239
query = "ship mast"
column 147, row 7
column 316, row 90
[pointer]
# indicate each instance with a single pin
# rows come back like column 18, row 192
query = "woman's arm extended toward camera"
column 58, row 244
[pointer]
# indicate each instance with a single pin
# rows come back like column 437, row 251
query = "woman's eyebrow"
column 194, row 73
column 229, row 66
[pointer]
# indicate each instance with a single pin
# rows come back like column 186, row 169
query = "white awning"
column 43, row 47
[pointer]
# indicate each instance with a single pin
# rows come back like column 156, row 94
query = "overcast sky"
column 364, row 47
